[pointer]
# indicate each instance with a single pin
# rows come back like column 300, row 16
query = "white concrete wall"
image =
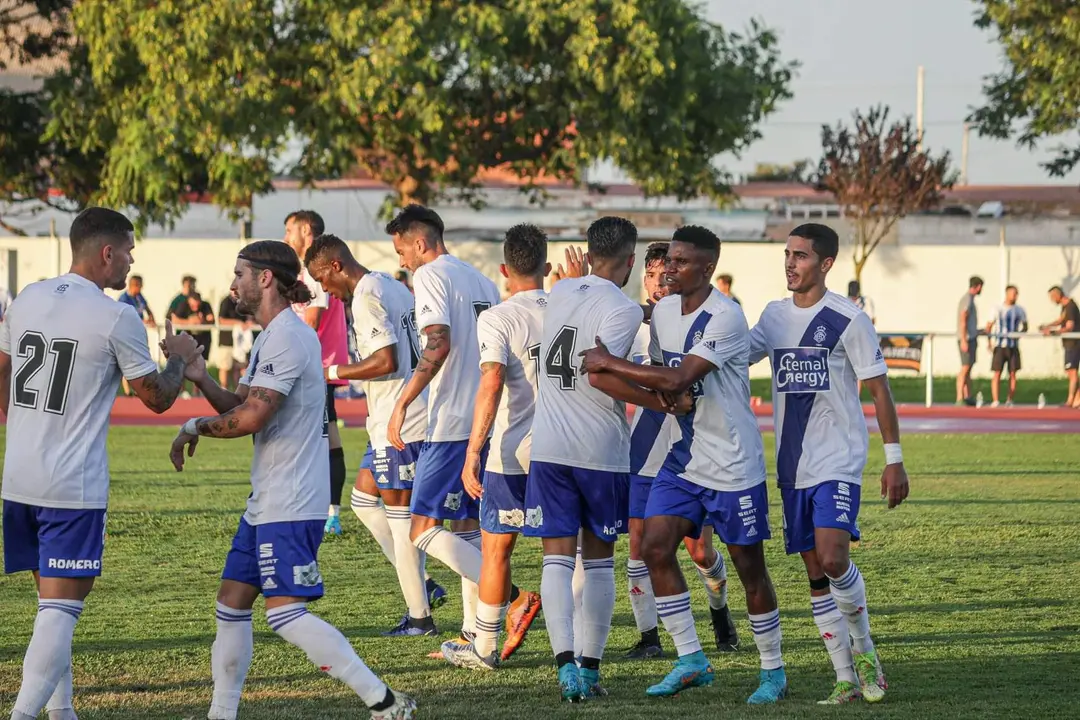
column 914, row 288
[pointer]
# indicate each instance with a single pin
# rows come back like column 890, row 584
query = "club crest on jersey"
column 453, row 501
column 802, row 369
column 512, row 518
column 542, row 302
column 534, row 517
column 61, row 289
column 307, row 575
column 820, row 334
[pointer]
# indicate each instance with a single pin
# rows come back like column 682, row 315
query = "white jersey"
column 639, row 351
column 69, row 344
column 651, row 432
column 319, row 298
column 721, row 446
column 382, row 310
column 510, row 334
column 453, row 293
column 290, row 471
column 818, row 354
column 576, row 424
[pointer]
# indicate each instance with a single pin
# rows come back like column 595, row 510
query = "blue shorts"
column 57, row 543
column 502, row 506
column 640, row 486
column 365, row 464
column 395, row 469
column 281, row 559
column 437, row 489
column 832, row 504
column 739, row 518
column 560, row 500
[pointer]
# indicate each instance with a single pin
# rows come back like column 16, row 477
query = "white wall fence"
column 916, row 289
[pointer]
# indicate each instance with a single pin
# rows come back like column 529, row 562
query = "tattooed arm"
column 159, row 390
column 492, row 382
column 247, row 418
column 434, row 356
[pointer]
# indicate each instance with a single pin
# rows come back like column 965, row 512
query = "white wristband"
column 893, row 455
column 331, row 372
column 189, row 427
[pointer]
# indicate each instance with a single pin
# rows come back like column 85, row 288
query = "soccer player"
column 651, row 436
column 820, row 345
column 1010, row 318
column 382, row 325
column 281, row 401
column 64, row 345
column 450, row 296
column 509, row 335
column 715, row 473
column 325, row 315
column 581, row 450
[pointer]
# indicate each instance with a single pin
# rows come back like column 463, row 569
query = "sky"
column 857, row 53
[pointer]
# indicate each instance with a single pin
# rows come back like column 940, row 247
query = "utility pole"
column 920, row 86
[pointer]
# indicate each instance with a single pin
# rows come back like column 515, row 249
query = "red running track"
column 913, row 418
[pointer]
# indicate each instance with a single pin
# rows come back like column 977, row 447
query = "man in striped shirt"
column 1009, row 318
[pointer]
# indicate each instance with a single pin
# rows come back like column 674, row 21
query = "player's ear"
column 547, row 269
column 827, row 264
column 630, row 261
column 502, row 270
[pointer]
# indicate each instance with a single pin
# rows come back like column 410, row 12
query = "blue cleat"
column 589, row 682
column 692, row 670
column 436, row 594
column 772, row 688
column 408, row 627
column 333, row 525
column 570, row 683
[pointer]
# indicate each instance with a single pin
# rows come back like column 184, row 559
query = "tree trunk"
column 860, row 263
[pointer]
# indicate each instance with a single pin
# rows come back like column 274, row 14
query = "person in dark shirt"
column 187, row 286
column 1067, row 322
column 195, row 311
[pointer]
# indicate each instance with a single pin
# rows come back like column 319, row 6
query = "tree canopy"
column 1037, row 94
column 184, row 96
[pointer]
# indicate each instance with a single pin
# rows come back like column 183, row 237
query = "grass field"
column 974, row 598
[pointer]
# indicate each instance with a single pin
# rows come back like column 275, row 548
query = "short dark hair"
column 700, row 237
column 1011, row 287
column 310, row 218
column 137, row 278
column 726, row 277
column 853, row 288
column 96, row 226
column 1056, row 287
column 823, row 239
column 401, row 275
column 417, row 218
column 975, row 281
column 193, row 296
column 656, row 252
column 278, row 258
column 611, row 237
column 325, row 248
column 525, row 249
column 187, row 279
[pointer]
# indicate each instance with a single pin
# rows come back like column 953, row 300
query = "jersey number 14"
column 33, row 347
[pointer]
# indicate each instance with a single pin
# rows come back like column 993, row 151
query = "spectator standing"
column 724, row 283
column 1067, row 322
column 854, row 294
column 187, row 286
column 195, row 311
column 1010, row 318
column 133, row 296
column 967, row 330
column 227, row 357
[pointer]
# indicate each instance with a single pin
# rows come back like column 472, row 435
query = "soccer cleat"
column 518, row 621
column 570, row 683
column 436, row 594
column 412, row 628
column 333, row 525
column 647, row 647
column 465, row 639
column 465, row 656
column 844, row 692
column 404, row 708
column 772, row 688
column 589, row 681
column 727, row 638
column 872, row 681
column 689, row 671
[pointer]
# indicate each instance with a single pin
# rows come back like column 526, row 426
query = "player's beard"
column 248, row 301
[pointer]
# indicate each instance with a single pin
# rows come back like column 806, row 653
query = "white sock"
column 577, row 586
column 556, row 589
column 597, row 606
column 457, row 554
column 642, row 600
column 410, row 570
column 489, row 623
column 335, row 510
column 849, row 591
column 766, row 628
column 59, row 705
column 470, row 591
column 715, row 579
column 834, row 632
column 48, row 656
column 327, row 648
column 369, row 510
column 230, row 659
column 678, row 619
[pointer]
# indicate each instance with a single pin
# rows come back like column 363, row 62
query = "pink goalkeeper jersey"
column 333, row 335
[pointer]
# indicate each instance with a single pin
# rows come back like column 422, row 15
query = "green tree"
column 219, row 96
column 796, row 172
column 1037, row 95
column 878, row 175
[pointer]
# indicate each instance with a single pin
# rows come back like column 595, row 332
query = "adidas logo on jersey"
column 483, row 347
column 267, row 369
column 752, row 532
column 375, row 332
column 269, row 584
column 425, row 309
column 843, row 518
